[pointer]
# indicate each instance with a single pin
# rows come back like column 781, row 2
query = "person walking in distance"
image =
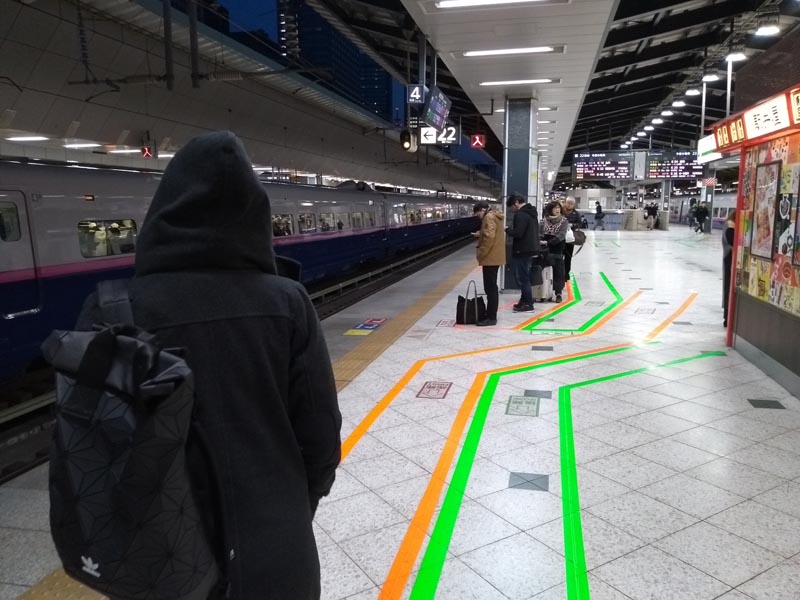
column 700, row 216
column 491, row 255
column 207, row 281
column 525, row 231
column 599, row 216
column 574, row 218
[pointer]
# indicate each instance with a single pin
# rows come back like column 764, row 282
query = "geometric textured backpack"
column 123, row 514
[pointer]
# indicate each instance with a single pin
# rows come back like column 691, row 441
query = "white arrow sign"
column 428, row 135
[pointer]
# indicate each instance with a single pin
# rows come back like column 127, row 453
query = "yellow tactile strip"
column 58, row 585
column 352, row 364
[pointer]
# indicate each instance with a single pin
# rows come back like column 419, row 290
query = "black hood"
column 209, row 212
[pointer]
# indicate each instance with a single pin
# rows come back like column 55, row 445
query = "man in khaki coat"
column 491, row 256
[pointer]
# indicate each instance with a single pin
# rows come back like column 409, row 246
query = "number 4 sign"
column 415, row 94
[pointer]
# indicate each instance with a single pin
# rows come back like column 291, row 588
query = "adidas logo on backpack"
column 120, row 490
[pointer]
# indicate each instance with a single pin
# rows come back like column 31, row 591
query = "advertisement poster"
column 766, row 196
column 784, row 230
column 768, row 259
column 763, row 279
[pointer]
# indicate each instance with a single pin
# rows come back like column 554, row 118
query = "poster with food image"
column 752, row 280
column 766, row 197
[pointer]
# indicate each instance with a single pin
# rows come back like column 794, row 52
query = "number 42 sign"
column 430, row 136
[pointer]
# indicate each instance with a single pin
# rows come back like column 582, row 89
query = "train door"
column 18, row 274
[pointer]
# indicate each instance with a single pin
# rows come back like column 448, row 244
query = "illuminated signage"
column 707, row 150
column 436, row 109
column 794, row 97
column 602, row 165
column 768, row 117
column 673, row 165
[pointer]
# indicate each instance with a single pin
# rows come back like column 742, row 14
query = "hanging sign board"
column 430, row 136
column 768, row 117
column 707, row 150
column 794, row 97
column 415, row 93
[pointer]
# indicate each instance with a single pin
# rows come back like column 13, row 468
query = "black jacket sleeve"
column 519, row 227
column 314, row 410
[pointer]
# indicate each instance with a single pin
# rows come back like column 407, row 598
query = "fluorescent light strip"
column 27, row 138
column 510, row 51
column 76, row 146
column 519, row 82
column 471, row 3
column 124, row 151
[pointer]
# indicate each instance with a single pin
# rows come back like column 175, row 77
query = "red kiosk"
column 764, row 302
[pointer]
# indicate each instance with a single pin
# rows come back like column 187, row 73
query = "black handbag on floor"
column 470, row 310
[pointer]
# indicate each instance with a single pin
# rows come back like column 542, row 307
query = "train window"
column 369, row 219
column 282, row 225
column 121, row 236
column 358, row 220
column 326, row 222
column 307, row 222
column 9, row 222
column 107, row 238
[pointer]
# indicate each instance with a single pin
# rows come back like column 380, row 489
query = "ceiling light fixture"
column 693, row 91
column 546, row 108
column 679, row 104
column 736, row 54
column 473, row 3
column 710, row 77
column 520, row 82
column 623, row 146
column 500, row 110
column 769, row 23
column 641, row 133
column 545, row 122
column 649, row 128
column 87, row 145
column 658, row 121
column 510, row 51
column 165, row 155
column 27, row 138
column 667, row 113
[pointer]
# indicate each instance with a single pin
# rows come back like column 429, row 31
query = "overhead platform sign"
column 437, row 108
column 430, row 136
column 602, row 166
column 673, row 165
column 707, row 150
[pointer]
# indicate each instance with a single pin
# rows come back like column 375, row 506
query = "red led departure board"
column 673, row 165
column 602, row 165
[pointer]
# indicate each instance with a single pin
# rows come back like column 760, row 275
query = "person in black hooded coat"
column 206, row 280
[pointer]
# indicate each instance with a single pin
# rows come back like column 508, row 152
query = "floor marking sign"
column 434, row 390
column 446, row 323
column 365, row 327
column 523, row 406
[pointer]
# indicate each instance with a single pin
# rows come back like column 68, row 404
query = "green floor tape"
column 577, row 581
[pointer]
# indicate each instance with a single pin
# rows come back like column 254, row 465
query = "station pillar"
column 521, row 169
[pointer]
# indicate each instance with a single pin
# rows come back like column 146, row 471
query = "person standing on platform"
column 652, row 213
column 574, row 218
column 554, row 230
column 727, row 263
column 599, row 216
column 491, row 255
column 700, row 216
column 207, row 281
column 525, row 231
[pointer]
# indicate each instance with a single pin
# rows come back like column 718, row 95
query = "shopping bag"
column 470, row 310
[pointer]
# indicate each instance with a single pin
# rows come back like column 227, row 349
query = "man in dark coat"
column 206, row 281
column 525, row 232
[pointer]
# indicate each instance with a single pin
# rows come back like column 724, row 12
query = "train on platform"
column 724, row 202
column 63, row 228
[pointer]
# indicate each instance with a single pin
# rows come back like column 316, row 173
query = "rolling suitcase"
column 544, row 291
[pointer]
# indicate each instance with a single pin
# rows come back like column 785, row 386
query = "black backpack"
column 123, row 514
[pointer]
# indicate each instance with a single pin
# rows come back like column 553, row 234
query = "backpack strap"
column 114, row 301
